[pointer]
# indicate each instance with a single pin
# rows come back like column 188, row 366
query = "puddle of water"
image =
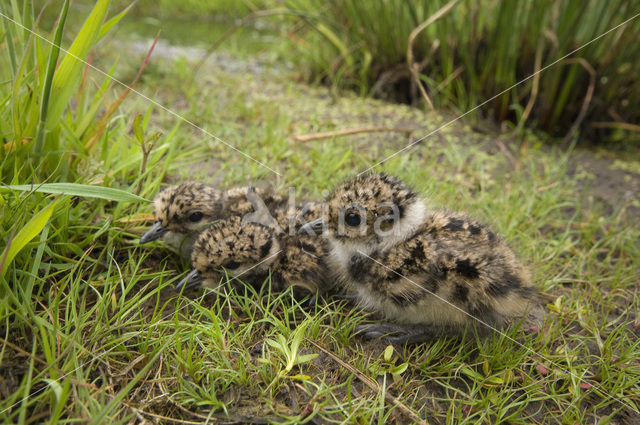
column 245, row 41
column 259, row 36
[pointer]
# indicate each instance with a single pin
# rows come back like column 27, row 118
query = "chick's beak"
column 312, row 228
column 156, row 231
column 194, row 278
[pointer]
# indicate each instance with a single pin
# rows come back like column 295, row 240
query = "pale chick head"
column 371, row 208
column 185, row 207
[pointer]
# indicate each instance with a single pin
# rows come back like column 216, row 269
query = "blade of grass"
column 84, row 190
column 68, row 73
column 106, row 27
column 49, row 76
column 28, row 288
column 27, row 385
column 11, row 51
column 28, row 232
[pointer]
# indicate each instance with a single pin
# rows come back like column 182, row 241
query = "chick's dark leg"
column 402, row 334
column 382, row 328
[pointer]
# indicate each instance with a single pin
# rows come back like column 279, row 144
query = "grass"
column 92, row 330
column 477, row 50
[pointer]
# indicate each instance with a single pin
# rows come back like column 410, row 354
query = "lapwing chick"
column 251, row 252
column 293, row 217
column 181, row 211
column 426, row 271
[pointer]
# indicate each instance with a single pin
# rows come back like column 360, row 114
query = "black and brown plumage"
column 426, row 271
column 183, row 210
column 252, row 252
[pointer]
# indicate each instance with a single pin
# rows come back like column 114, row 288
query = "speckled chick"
column 181, row 211
column 291, row 219
column 427, row 271
column 251, row 252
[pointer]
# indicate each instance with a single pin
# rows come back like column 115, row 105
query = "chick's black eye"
column 352, row 219
column 232, row 265
column 195, row 217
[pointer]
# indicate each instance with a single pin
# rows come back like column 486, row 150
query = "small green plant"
column 288, row 350
column 146, row 143
column 388, row 365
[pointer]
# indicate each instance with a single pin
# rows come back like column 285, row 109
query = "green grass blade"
column 67, row 77
column 113, row 21
column 37, row 261
column 83, row 190
column 18, row 80
column 27, row 17
column 10, row 46
column 28, row 232
column 49, row 76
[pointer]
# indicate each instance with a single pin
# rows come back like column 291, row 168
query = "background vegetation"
column 91, row 330
column 477, row 50
column 471, row 54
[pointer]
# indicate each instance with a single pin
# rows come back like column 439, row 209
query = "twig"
column 412, row 36
column 615, row 115
column 549, row 186
column 348, row 132
column 370, row 383
column 514, row 162
column 131, row 365
column 138, row 218
column 614, row 124
column 456, row 72
column 534, row 87
column 23, row 352
column 587, row 98
column 161, row 417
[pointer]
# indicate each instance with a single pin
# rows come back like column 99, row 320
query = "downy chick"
column 427, row 271
column 252, row 251
column 181, row 211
